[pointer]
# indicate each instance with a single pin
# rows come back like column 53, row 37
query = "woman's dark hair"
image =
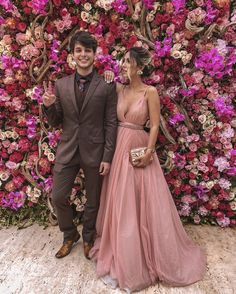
column 85, row 39
column 143, row 59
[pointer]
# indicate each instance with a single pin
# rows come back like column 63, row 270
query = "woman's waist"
column 130, row 125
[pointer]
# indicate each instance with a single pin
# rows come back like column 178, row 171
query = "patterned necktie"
column 82, row 85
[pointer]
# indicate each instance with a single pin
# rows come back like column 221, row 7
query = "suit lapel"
column 93, row 85
column 71, row 91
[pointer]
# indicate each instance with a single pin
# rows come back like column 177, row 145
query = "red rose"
column 21, row 26
column 191, row 155
column 74, row 20
column 192, row 176
column 220, row 214
column 63, row 12
column 24, row 145
column 230, row 213
column 177, row 191
column 27, row 10
column 4, row 154
column 16, row 157
column 57, row 2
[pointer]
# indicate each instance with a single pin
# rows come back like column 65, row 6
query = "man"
column 85, row 105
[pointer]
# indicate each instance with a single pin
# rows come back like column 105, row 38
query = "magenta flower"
column 176, row 118
column 2, row 20
column 31, row 123
column 162, row 49
column 188, row 92
column 13, row 200
column 106, row 62
column 179, row 160
column 120, row 6
column 55, row 50
column 212, row 13
column 223, row 107
column 178, row 5
column 37, row 94
column 38, row 6
column 149, row 4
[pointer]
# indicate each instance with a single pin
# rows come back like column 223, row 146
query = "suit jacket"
column 94, row 129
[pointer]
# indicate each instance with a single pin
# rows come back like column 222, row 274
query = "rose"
column 21, row 26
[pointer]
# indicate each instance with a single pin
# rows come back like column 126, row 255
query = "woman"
column 140, row 238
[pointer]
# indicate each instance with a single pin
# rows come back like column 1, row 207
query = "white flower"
column 231, row 196
column 86, row 16
column 176, row 54
column 210, row 185
column 233, row 205
column 177, row 46
column 2, row 135
column 202, row 119
column 87, row 6
column 8, row 134
column 150, row 17
column 186, row 58
column 105, row 4
column 4, row 176
column 51, row 156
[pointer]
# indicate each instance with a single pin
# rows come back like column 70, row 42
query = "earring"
column 139, row 72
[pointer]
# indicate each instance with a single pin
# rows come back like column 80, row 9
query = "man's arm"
column 110, row 122
column 53, row 110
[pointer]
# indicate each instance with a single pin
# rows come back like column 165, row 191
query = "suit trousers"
column 63, row 180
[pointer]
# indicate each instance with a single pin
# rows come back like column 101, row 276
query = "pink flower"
column 11, row 165
column 223, row 221
column 221, row 163
column 196, row 219
column 21, row 38
column 224, row 184
column 7, row 39
column 193, row 147
column 29, row 51
column 204, row 158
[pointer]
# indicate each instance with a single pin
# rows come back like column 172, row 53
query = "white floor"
column 28, row 265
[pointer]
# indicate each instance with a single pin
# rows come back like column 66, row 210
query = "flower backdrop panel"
column 192, row 43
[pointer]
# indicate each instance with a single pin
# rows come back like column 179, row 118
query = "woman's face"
column 129, row 67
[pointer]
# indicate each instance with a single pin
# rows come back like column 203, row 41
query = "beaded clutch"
column 135, row 153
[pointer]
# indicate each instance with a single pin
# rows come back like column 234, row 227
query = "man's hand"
column 48, row 98
column 104, row 168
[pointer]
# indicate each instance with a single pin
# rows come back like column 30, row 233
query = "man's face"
column 83, row 56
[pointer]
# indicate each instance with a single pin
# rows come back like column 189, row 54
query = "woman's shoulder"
column 151, row 90
column 152, row 94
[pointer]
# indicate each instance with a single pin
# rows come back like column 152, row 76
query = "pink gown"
column 140, row 237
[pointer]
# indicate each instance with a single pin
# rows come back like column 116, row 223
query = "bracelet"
column 153, row 150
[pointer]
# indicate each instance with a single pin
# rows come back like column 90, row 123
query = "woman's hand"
column 109, row 76
column 143, row 160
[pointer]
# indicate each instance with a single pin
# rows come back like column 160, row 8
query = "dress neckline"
column 131, row 105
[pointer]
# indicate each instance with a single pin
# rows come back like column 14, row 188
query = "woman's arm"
column 154, row 115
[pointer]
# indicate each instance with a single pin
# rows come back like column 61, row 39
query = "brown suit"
column 88, row 138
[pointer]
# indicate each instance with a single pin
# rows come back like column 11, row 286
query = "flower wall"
column 193, row 51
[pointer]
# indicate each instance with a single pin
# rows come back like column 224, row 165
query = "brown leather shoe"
column 87, row 248
column 67, row 246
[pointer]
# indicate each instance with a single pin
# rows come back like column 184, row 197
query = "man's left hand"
column 104, row 168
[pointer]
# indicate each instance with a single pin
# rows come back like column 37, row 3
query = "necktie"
column 82, row 85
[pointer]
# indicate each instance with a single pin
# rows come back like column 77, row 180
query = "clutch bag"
column 135, row 153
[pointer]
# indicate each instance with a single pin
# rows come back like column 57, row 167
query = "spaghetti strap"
column 145, row 92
